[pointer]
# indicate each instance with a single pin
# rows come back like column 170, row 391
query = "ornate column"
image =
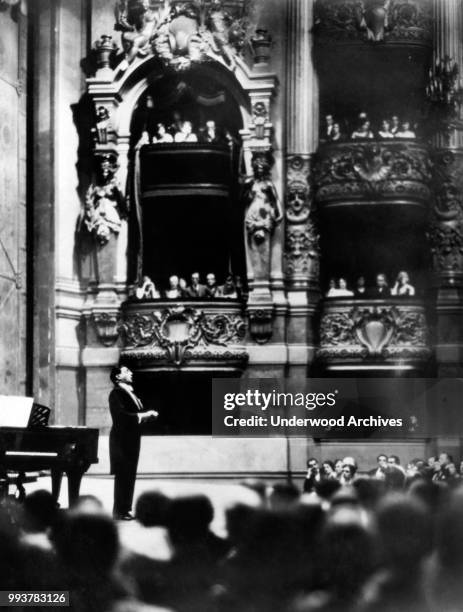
column 301, row 240
column 446, row 232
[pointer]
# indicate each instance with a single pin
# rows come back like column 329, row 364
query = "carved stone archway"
column 115, row 91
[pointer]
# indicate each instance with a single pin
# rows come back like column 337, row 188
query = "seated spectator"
column 146, row 290
column 395, row 125
column 363, row 132
column 312, row 476
column 327, row 471
column 195, row 289
column 405, row 131
column 385, row 131
column 186, row 133
column 328, row 129
column 332, row 288
column 360, row 287
column 336, row 134
column 379, row 472
column 212, row 289
column 283, row 495
column 162, row 135
column 381, row 289
column 343, row 290
column 349, row 472
column 405, row 538
column 228, row 289
column 145, row 139
column 402, row 286
column 174, row 292
column 210, row 134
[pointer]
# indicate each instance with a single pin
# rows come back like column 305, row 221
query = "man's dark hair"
column 396, row 459
column 115, row 372
column 379, row 457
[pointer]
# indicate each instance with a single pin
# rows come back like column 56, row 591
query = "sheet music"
column 15, row 410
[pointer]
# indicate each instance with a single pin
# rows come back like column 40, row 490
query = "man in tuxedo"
column 382, row 288
column 127, row 414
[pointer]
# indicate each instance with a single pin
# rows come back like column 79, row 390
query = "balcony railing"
column 370, row 172
column 194, row 335
column 373, row 334
column 401, row 21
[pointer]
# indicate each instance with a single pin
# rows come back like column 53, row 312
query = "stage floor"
column 222, row 495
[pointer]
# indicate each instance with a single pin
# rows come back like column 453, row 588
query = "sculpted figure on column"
column 262, row 214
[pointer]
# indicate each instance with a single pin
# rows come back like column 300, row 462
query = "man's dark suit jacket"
column 124, row 437
column 376, row 293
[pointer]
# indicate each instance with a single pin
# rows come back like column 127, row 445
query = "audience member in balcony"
column 385, row 131
column 195, row 290
column 177, row 123
column 405, row 131
column 343, row 291
column 395, row 125
column 228, row 289
column 360, row 287
column 212, row 288
column 381, row 290
column 363, row 132
column 146, row 290
column 162, row 135
column 336, row 134
column 174, row 292
column 329, row 125
column 145, row 139
column 402, row 286
column 332, row 288
column 186, row 133
column 210, row 134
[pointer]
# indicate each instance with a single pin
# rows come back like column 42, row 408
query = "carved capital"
column 261, row 322
column 106, row 327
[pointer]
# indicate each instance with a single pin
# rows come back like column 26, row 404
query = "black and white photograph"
column 231, row 305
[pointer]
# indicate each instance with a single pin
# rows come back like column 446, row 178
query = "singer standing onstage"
column 127, row 414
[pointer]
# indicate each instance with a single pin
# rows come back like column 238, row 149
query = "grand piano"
column 39, row 447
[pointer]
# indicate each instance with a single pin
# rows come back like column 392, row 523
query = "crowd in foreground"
column 362, row 543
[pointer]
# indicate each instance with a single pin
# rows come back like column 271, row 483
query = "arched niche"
column 119, row 93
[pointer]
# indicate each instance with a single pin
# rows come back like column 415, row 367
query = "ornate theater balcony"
column 399, row 21
column 372, row 172
column 373, row 334
column 191, row 335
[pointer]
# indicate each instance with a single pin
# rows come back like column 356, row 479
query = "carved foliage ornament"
column 373, row 332
column 446, row 228
column 372, row 169
column 445, row 96
column 302, row 240
column 374, row 20
column 179, row 330
column 182, row 33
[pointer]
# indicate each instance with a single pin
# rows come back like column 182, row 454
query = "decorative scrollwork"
column 182, row 33
column 177, row 333
column 302, row 252
column 374, row 170
column 445, row 232
column 370, row 331
column 374, row 20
